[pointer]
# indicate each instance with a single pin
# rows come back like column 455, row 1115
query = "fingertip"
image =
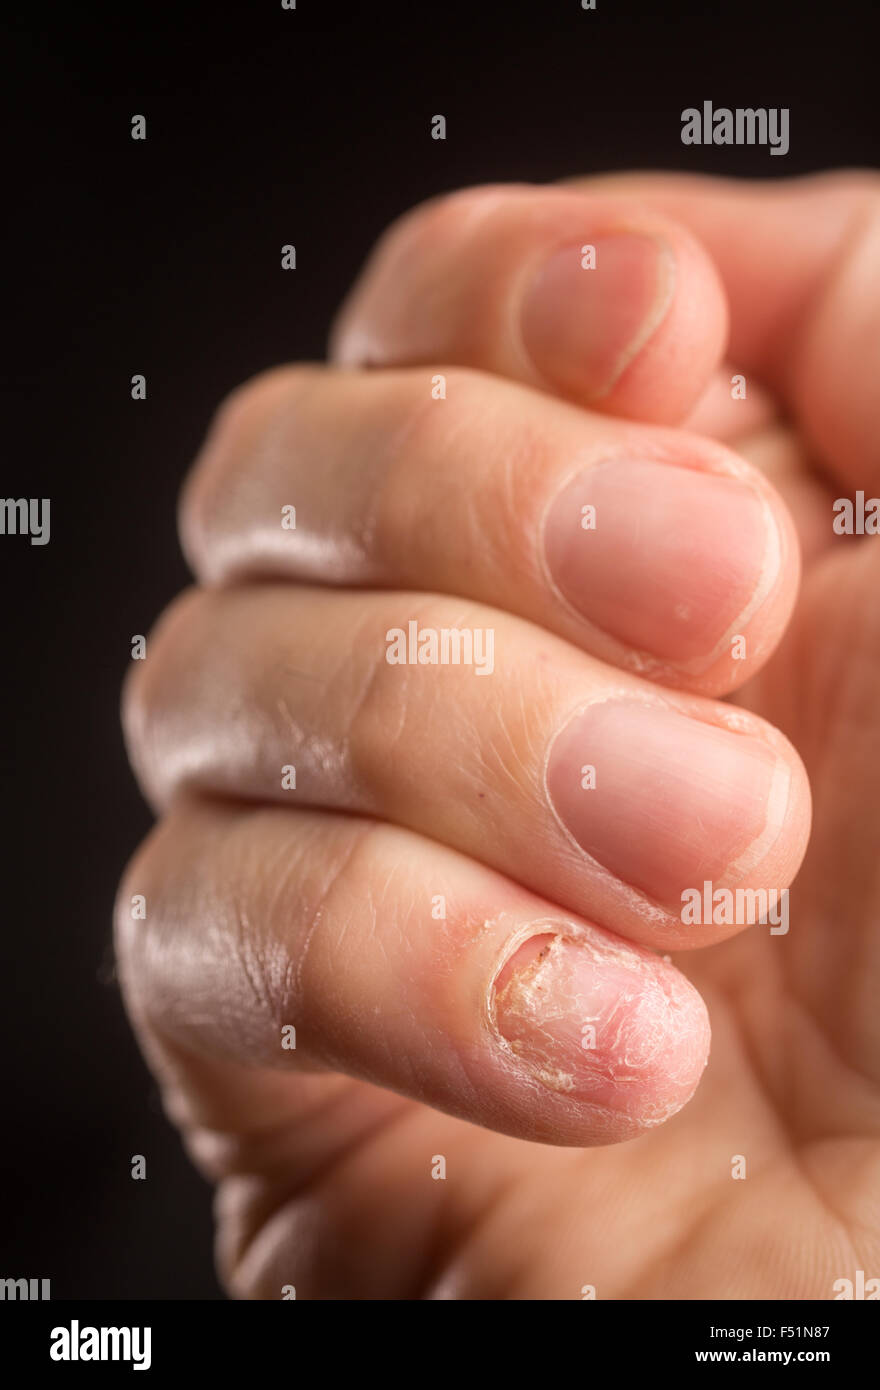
column 612, row 1039
column 680, row 553
column 633, row 322
column 752, row 635
column 598, row 299
column 666, row 378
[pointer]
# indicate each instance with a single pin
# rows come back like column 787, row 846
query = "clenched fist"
column 521, row 633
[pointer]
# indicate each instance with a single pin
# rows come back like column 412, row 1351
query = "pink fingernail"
column 664, row 559
column 603, row 1023
column 593, row 307
column 667, row 801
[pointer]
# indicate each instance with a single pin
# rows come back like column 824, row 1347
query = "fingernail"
column 664, row 559
column 603, row 1023
column 670, row 801
column 593, row 307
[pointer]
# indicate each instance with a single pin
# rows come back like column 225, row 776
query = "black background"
column 162, row 257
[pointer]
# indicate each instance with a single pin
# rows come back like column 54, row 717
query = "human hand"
column 421, row 788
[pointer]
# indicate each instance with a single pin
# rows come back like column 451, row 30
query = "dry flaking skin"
column 607, row 1025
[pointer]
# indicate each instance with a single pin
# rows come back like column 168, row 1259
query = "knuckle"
column 145, row 690
column 133, row 925
column 155, row 963
column 169, row 952
column 234, row 437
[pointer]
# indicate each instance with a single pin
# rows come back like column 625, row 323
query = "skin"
column 268, row 906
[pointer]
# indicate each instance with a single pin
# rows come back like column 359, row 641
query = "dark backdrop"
column 264, row 127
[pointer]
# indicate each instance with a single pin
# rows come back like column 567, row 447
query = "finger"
column 589, row 297
column 656, row 551
column 800, row 262
column 502, row 1011
column 781, row 456
column 587, row 785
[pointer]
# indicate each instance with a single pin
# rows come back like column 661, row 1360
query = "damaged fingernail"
column 608, row 1025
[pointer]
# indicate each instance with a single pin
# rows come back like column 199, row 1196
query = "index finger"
column 593, row 297
column 800, row 264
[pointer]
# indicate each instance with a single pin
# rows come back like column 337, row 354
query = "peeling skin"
column 651, row 1029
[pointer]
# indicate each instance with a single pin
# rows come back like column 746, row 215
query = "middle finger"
column 604, row 793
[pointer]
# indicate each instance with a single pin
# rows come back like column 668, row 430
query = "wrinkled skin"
column 325, row 1182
